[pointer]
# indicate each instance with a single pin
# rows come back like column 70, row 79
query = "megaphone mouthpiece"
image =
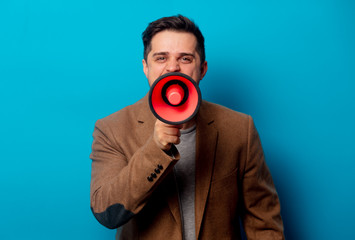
column 175, row 94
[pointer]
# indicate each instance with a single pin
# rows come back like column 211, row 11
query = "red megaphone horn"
column 174, row 98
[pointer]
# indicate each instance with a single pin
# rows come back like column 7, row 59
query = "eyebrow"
column 167, row 53
column 187, row 54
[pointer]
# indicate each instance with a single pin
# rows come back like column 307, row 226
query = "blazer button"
column 160, row 166
column 153, row 175
column 157, row 170
column 150, row 178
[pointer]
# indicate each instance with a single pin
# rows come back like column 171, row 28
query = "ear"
column 145, row 68
column 204, row 68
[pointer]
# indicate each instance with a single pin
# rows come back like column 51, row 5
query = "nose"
column 173, row 66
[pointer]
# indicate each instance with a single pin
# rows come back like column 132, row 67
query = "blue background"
column 65, row 64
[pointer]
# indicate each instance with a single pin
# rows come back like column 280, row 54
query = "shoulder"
column 223, row 115
column 124, row 117
column 229, row 123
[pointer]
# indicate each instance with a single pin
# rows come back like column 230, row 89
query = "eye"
column 186, row 59
column 160, row 58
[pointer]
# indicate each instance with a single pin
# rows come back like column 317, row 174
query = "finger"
column 172, row 132
column 173, row 139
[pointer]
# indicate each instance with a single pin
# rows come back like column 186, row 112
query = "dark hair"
column 177, row 23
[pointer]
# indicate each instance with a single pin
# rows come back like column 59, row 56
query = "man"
column 191, row 181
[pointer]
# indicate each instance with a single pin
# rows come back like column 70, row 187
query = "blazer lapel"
column 145, row 120
column 206, row 143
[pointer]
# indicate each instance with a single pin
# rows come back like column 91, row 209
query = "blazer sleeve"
column 262, row 218
column 119, row 186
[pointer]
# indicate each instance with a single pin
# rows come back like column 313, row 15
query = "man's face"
column 173, row 52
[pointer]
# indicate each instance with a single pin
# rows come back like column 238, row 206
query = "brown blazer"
column 232, row 179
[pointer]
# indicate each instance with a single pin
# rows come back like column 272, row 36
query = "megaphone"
column 174, row 98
